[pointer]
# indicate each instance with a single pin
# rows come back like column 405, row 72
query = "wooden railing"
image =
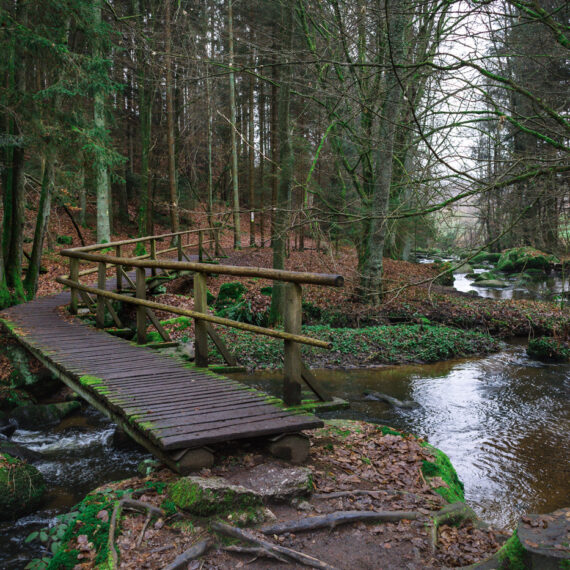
column 294, row 369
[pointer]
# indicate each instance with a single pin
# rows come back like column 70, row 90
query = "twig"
column 258, row 551
column 338, row 518
column 246, row 536
column 192, row 553
column 145, row 526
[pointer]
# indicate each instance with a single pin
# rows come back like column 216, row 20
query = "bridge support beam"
column 292, row 366
column 200, row 326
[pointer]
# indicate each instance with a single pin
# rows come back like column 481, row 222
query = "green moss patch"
column 452, row 488
column 21, row 487
column 212, row 496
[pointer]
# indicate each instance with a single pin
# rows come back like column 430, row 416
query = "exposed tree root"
column 289, row 553
column 127, row 503
column 191, row 554
column 258, row 551
column 450, row 514
column 338, row 518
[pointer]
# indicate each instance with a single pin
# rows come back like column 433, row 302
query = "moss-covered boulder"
column 465, row 268
column 21, row 487
column 207, row 496
column 491, row 283
column 445, row 279
column 520, row 259
column 34, row 417
column 229, row 294
column 441, row 475
column 548, row 349
column 485, row 276
column 486, row 257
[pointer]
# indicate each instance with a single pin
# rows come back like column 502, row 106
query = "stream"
column 78, row 455
column 503, row 420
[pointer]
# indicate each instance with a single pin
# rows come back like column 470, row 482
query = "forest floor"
column 371, row 470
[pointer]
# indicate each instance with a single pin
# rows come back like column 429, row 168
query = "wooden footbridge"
column 173, row 409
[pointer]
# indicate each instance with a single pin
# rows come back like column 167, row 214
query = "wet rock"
column 465, row 268
column 205, row 496
column 379, row 397
column 21, row 487
column 492, row 283
column 276, row 483
column 34, row 417
column 19, row 451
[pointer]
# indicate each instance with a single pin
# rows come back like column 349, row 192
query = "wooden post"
column 153, row 255
column 200, row 247
column 179, row 246
column 292, row 318
column 101, row 278
column 118, row 268
column 74, row 276
column 217, row 251
column 141, row 311
column 200, row 326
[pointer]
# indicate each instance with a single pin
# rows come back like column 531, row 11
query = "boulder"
column 273, row 482
column 34, row 417
column 465, row 268
column 19, row 451
column 205, row 496
column 492, row 283
column 520, row 259
column 21, row 487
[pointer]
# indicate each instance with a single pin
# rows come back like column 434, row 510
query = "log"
column 246, row 536
column 337, row 518
column 258, row 551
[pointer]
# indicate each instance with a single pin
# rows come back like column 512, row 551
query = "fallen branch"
column 338, row 518
column 375, row 494
column 192, row 553
column 294, row 555
column 258, row 551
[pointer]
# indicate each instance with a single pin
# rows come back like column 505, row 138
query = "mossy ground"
column 393, row 344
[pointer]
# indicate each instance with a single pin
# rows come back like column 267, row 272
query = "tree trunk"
column 42, row 221
column 100, row 167
column 371, row 282
column 281, row 214
column 233, row 126
column 174, row 215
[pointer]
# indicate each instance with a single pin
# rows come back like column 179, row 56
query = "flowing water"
column 503, row 420
column 77, row 456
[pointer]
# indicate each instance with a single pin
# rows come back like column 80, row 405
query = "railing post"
column 179, row 246
column 153, row 255
column 119, row 273
column 200, row 247
column 101, row 278
column 74, row 276
column 292, row 319
column 141, row 311
column 217, row 250
column 200, row 326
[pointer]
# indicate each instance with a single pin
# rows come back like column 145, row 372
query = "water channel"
column 504, row 420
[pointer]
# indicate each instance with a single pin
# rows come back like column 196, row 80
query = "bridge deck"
column 170, row 405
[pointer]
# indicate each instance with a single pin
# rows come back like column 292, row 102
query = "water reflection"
column 503, row 420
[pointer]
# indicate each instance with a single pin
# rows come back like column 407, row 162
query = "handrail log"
column 195, row 315
column 238, row 270
column 97, row 246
